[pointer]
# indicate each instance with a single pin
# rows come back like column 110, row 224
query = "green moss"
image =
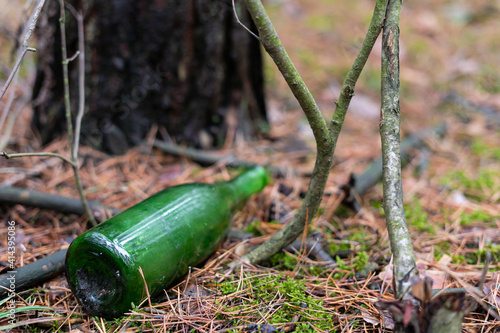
column 361, row 237
column 378, row 206
column 457, row 259
column 361, row 260
column 486, row 179
column 485, row 151
column 479, row 256
column 467, row 218
column 295, row 300
column 342, row 266
column 440, row 249
column 286, row 262
column 283, row 261
column 343, row 212
column 488, row 80
column 318, row 270
column 342, row 246
column 254, row 228
column 352, row 249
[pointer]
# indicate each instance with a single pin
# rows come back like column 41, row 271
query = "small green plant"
column 335, row 247
column 378, row 206
column 440, row 249
column 457, row 259
column 283, row 261
column 479, row 256
column 362, row 239
column 254, row 228
column 361, row 260
column 227, row 287
column 342, row 266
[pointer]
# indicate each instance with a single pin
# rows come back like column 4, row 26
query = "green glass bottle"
column 164, row 235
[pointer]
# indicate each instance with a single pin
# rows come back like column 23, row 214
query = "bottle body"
column 163, row 235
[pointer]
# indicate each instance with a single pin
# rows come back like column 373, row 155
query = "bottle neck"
column 249, row 183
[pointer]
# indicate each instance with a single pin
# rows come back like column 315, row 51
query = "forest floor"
column 449, row 73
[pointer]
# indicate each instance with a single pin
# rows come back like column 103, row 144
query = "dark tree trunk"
column 185, row 65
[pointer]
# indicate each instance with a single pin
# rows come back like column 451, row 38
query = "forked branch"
column 325, row 136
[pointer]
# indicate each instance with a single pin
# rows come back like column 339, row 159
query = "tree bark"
column 326, row 137
column 185, row 65
column 390, row 119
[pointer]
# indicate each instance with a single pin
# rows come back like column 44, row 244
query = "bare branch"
column 27, row 32
column 325, row 137
column 244, row 26
column 7, row 156
column 81, row 79
column 271, row 42
column 81, row 107
column 73, row 57
column 67, row 103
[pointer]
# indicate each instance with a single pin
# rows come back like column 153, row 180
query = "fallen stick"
column 15, row 195
column 360, row 183
column 52, row 265
column 32, row 274
column 207, row 159
column 489, row 112
column 312, row 246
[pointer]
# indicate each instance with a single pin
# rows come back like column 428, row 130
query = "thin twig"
column 207, row 158
column 244, row 26
column 27, row 32
column 73, row 57
column 7, row 156
column 8, row 105
column 67, row 102
column 81, row 79
column 14, row 74
column 9, row 125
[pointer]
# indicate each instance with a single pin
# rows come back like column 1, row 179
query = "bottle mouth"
column 98, row 280
column 99, row 286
